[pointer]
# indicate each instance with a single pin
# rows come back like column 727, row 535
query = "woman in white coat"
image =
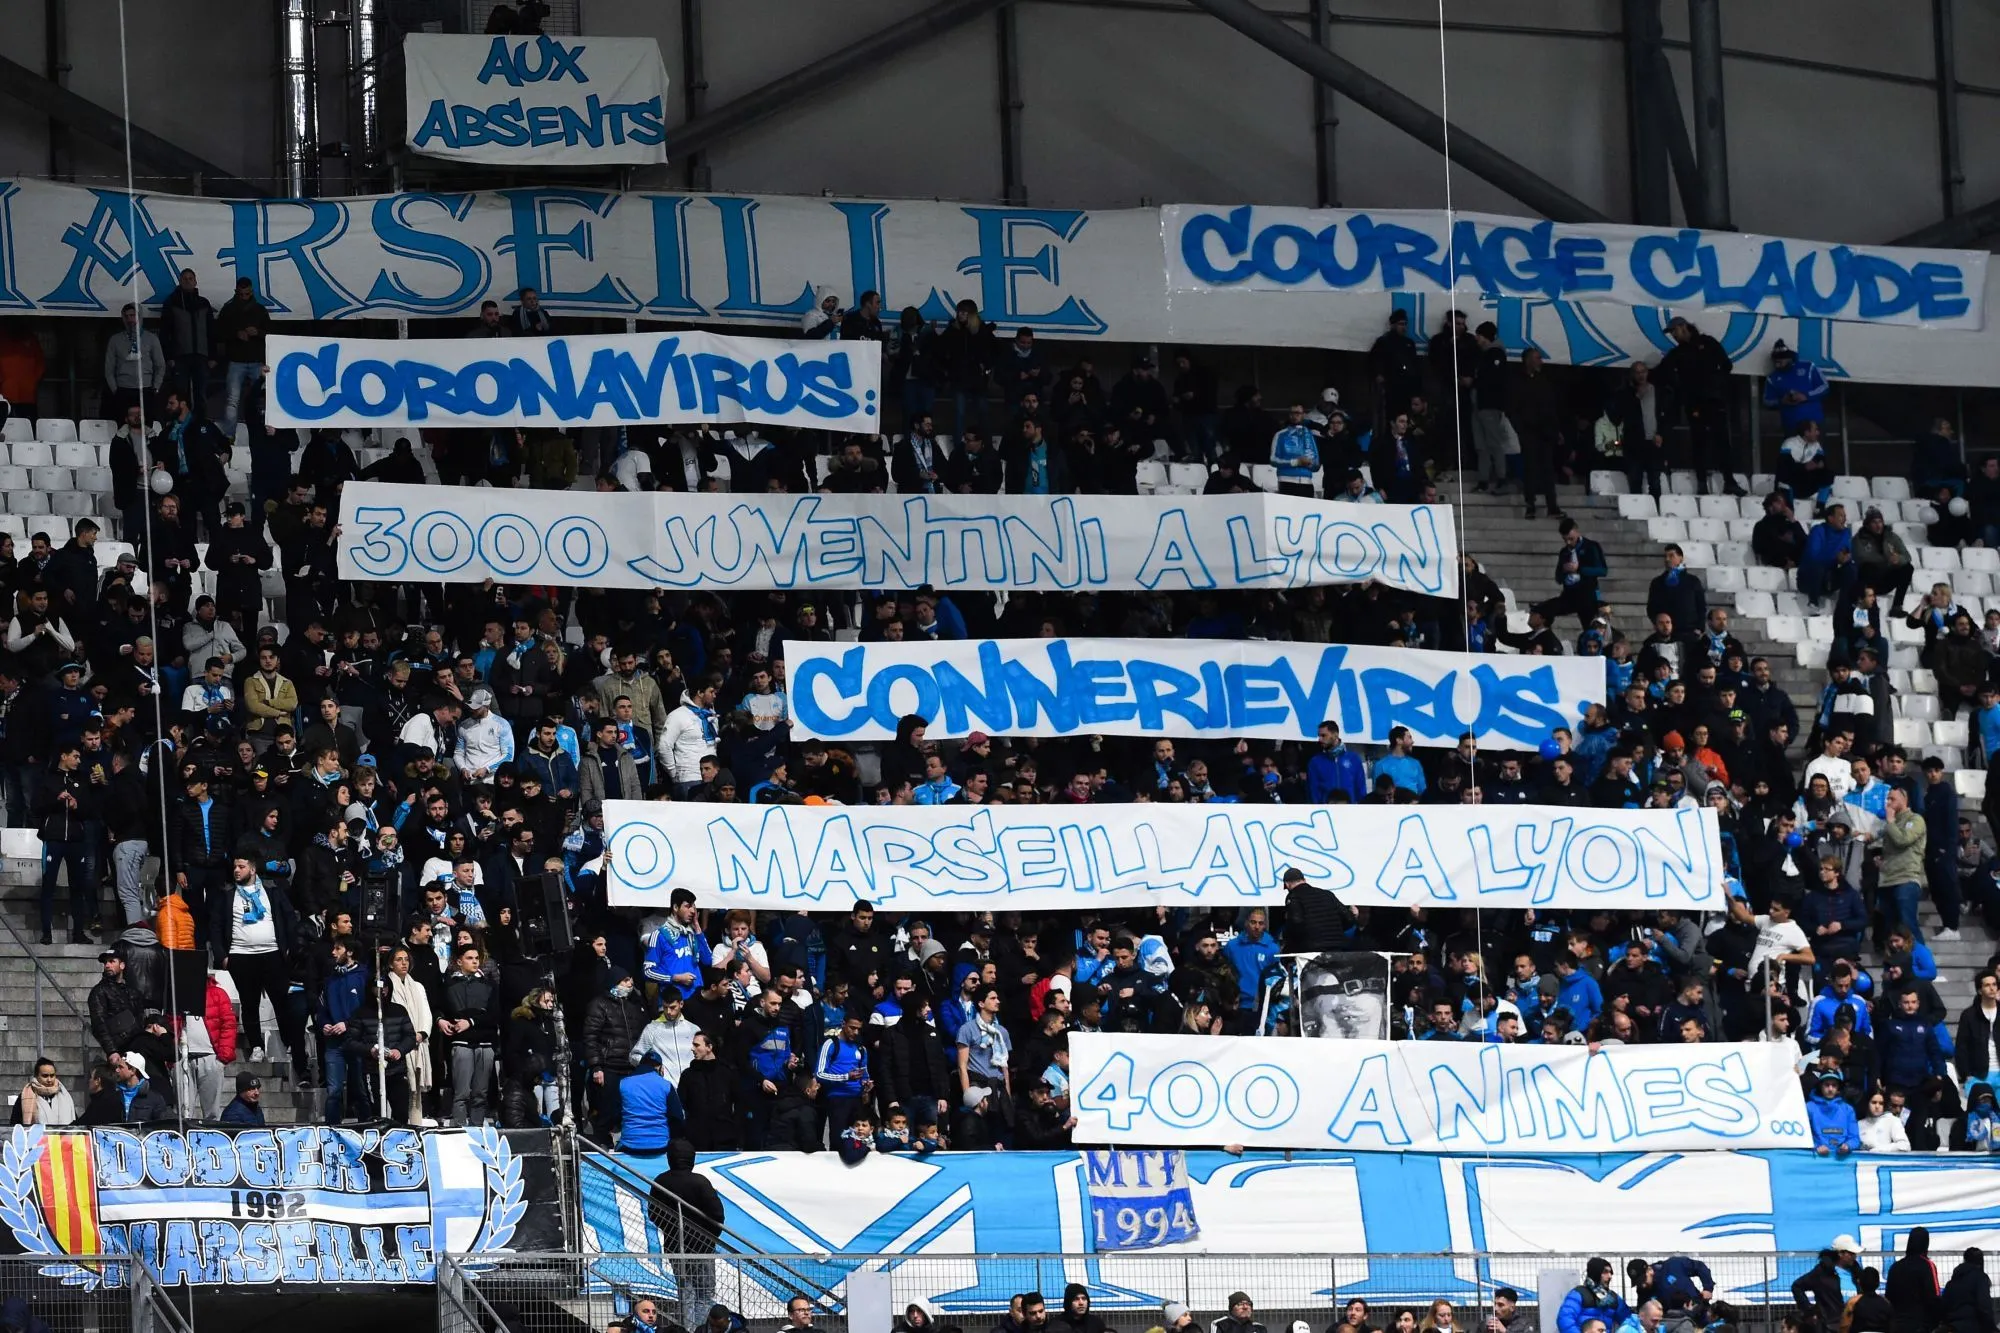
column 407, row 991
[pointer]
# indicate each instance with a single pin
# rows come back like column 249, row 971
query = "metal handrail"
column 43, row 974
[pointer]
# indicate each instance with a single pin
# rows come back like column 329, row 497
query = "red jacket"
column 220, row 1016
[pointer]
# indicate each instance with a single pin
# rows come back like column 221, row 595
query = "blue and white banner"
column 1433, row 1096
column 1092, row 543
column 1390, row 250
column 1042, row 858
column 530, row 101
column 739, row 259
column 1139, row 1198
column 969, row 1229
column 1182, row 688
column 607, row 379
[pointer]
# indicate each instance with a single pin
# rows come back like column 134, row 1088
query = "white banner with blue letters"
column 1067, row 543
column 529, row 101
column 1045, row 858
column 741, row 259
column 1390, row 250
column 1433, row 1096
column 607, row 379
column 1182, row 688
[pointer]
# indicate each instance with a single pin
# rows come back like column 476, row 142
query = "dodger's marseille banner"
column 744, row 259
column 1341, row 250
column 302, row 1204
column 1433, row 1096
column 621, row 379
column 1041, row 858
column 533, row 100
column 1172, row 687
column 1070, row 543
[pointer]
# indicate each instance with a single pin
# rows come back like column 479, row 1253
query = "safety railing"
column 45, row 978
column 554, row 1293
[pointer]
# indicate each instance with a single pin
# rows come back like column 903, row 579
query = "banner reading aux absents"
column 1060, row 858
column 536, row 100
column 748, row 259
column 1433, row 1096
column 1070, row 542
column 1166, row 687
column 591, row 380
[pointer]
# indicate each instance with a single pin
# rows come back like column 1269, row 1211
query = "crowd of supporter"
column 357, row 807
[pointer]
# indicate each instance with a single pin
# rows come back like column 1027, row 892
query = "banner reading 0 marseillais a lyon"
column 1065, row 857
column 1433, row 1096
column 625, row 379
column 1070, row 543
column 1177, row 688
column 305, row 1205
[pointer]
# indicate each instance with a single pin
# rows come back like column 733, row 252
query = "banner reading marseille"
column 1069, row 543
column 1167, row 687
column 1433, row 1096
column 1052, row 858
column 1340, row 250
column 535, row 100
column 623, row 379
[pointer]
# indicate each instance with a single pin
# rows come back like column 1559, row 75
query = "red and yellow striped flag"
column 66, row 1179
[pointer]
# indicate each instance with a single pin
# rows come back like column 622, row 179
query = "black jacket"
column 1968, row 1297
column 185, row 844
column 1315, row 920
column 708, row 1095
column 687, row 1210
column 474, row 997
column 57, row 821
column 1686, row 601
column 115, row 1011
column 222, row 920
column 1911, row 1284
column 912, row 1065
column 610, row 1032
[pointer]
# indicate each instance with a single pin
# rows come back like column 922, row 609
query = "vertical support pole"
column 694, row 90
column 1013, row 188
column 1951, row 166
column 1326, row 118
column 1710, row 120
column 55, row 66
column 1652, row 201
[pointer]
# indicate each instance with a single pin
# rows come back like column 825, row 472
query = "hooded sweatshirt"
column 1076, row 1316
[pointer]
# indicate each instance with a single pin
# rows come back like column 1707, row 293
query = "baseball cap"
column 481, row 698
column 246, row 1080
column 137, row 1061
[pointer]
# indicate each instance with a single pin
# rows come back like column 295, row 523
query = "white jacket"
column 484, row 742
column 673, row 1041
column 1884, row 1133
column 682, row 743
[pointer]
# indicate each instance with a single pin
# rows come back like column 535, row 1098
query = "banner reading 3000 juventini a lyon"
column 1168, row 687
column 1063, row 857
column 1433, row 1096
column 622, row 379
column 1049, row 542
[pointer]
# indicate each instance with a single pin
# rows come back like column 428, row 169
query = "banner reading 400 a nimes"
column 1168, row 687
column 1062, row 542
column 1434, row 1096
column 1065, row 857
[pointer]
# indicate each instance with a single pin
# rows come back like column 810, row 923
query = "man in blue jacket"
column 1913, row 1051
column 1578, row 992
column 1593, row 1300
column 1250, row 953
column 842, row 1074
column 650, row 1107
column 1835, row 1132
column 1579, row 565
column 1837, row 995
column 675, row 959
column 339, row 1001
column 1796, row 388
column 1337, row 768
column 1295, row 453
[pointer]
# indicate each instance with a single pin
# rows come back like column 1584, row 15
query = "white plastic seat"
column 1262, row 475
column 17, row 431
column 1708, row 529
column 1756, row 604
column 1812, row 656
column 1742, row 529
column 1717, row 506
column 1736, row 554
column 1912, row 735
column 1971, row 583
column 1936, row 557
column 1923, row 680
column 27, row 502
column 1970, row 782
column 96, row 430
column 1901, row 631
column 1698, row 554
column 1681, row 482
column 1899, row 681
column 1637, row 507
column 71, row 454
column 1609, row 483
column 73, row 504
column 51, row 479
column 55, row 430
column 1188, row 474
column 1763, row 483
column 13, row 479
column 1919, row 707
column 1891, row 488
column 33, row 453
column 1787, row 629
column 13, row 525
column 1955, row 733
column 1904, row 657
column 1789, row 604
column 1982, row 558
column 1765, row 578
column 1723, row 578
column 1667, row 529
column 1151, row 476
column 1679, row 506
column 1850, row 487
column 1820, row 628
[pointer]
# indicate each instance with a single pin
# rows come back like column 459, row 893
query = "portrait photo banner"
column 1253, row 248
column 1183, row 689
column 528, row 101
column 1064, row 857
column 623, row 379
column 1433, row 1096
column 1079, row 543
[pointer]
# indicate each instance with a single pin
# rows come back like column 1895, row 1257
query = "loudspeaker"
column 544, row 916
column 377, row 918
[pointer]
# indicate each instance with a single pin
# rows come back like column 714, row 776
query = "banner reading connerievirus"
column 757, row 260
column 1176, row 688
column 531, row 101
column 623, row 379
column 1070, row 543
column 302, row 1205
column 1045, row 858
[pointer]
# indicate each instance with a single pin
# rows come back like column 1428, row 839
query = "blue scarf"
column 254, row 904
column 709, row 733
